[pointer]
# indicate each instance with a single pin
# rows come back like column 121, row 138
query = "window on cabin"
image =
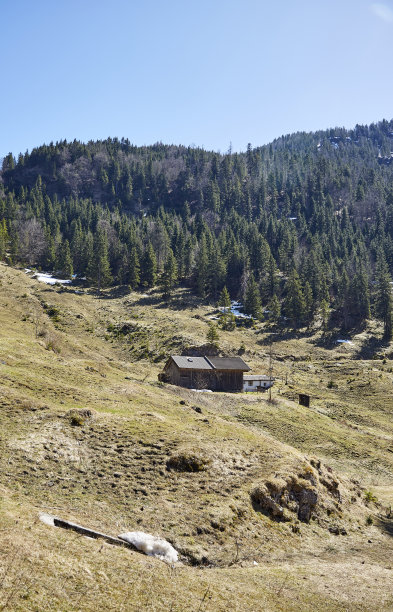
column 250, row 383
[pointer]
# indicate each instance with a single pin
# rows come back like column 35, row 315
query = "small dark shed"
column 304, row 400
column 215, row 373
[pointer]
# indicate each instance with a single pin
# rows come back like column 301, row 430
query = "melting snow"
column 49, row 279
column 150, row 545
column 234, row 309
column 46, row 518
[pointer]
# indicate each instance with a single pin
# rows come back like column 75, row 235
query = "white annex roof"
column 257, row 377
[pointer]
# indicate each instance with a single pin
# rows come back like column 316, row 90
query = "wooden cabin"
column 214, row 373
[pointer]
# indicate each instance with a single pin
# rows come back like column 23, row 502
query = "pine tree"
column 212, row 336
column 134, row 269
column 308, row 302
column 99, row 268
column 295, row 305
column 252, row 299
column 324, row 311
column 169, row 275
column 2, row 242
column 224, row 299
column 201, row 265
column 66, row 260
column 383, row 297
column 274, row 308
column 149, row 267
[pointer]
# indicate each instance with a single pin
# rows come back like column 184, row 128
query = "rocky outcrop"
column 301, row 495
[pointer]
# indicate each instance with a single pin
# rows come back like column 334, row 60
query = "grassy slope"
column 110, row 473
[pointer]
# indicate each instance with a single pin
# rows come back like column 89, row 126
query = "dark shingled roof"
column 210, row 363
column 193, row 363
column 228, row 363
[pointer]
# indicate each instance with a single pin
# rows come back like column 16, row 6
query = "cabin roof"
column 192, row 363
column 210, row 363
column 257, row 377
column 228, row 363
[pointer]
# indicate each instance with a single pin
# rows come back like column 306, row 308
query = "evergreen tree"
column 201, row 265
column 2, row 241
column 212, row 336
column 149, row 267
column 274, row 308
column 252, row 299
column 324, row 311
column 66, row 260
column 308, row 302
column 99, row 268
column 295, row 305
column 169, row 275
column 383, row 297
column 224, row 299
column 134, row 269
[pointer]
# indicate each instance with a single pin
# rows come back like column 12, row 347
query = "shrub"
column 77, row 418
column 52, row 343
column 188, row 462
column 370, row 497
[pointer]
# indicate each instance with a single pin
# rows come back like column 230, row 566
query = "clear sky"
column 193, row 72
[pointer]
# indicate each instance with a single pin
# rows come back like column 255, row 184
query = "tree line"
column 297, row 229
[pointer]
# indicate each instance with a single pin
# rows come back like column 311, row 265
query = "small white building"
column 257, row 382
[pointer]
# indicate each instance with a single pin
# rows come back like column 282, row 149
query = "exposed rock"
column 313, row 492
column 282, row 497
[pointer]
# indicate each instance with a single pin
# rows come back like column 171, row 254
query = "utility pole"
column 270, row 370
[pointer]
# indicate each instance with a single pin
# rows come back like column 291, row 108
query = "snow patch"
column 46, row 518
column 202, row 390
column 49, row 279
column 344, row 341
column 235, row 310
column 150, row 545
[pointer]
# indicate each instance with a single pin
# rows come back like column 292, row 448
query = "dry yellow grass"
column 111, row 471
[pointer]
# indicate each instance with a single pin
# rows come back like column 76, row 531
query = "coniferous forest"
column 300, row 228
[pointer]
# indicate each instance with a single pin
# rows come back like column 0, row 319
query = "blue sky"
column 193, row 72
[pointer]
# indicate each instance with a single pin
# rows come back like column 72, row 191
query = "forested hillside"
column 302, row 228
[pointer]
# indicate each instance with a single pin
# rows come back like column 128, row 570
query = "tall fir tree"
column 224, row 299
column 295, row 305
column 149, row 267
column 252, row 299
column 134, row 277
column 99, row 268
column 169, row 275
column 383, row 297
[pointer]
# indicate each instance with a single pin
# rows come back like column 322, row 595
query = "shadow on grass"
column 371, row 347
column 277, row 335
column 385, row 524
column 328, row 340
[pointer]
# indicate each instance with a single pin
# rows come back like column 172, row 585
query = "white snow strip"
column 202, row 390
column 45, row 277
column 344, row 341
column 150, row 545
column 27, row 270
column 46, row 518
